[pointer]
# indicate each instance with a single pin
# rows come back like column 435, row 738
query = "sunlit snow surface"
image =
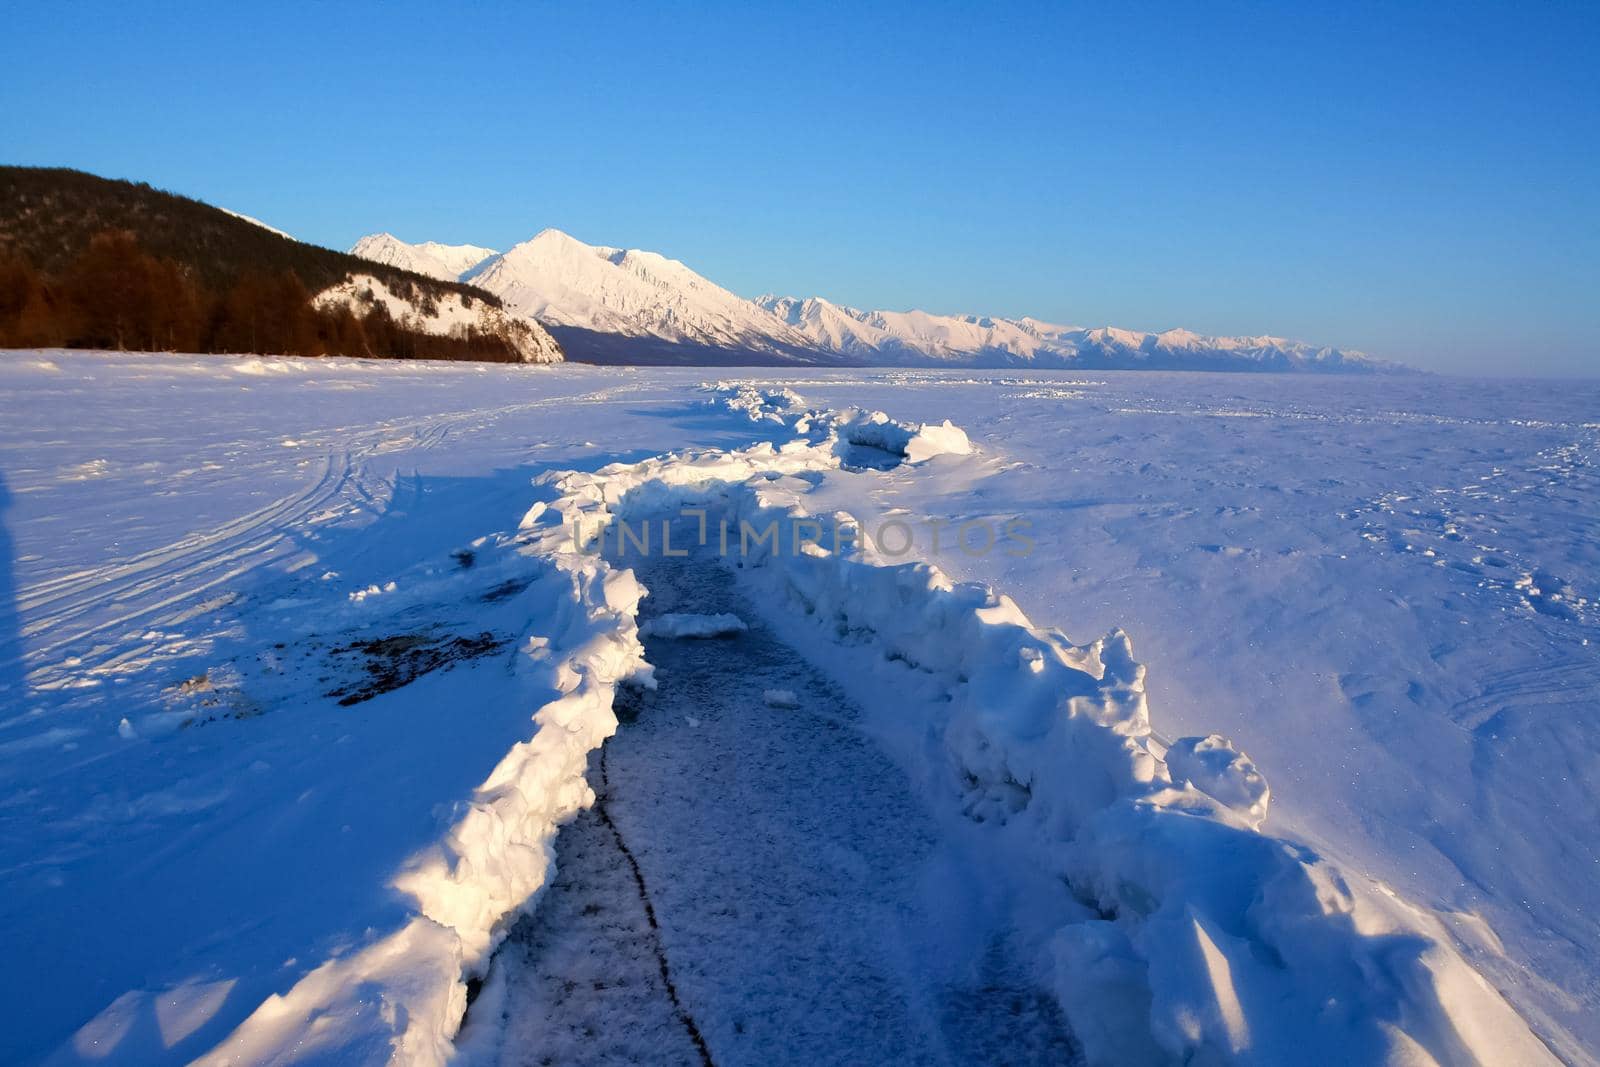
column 1384, row 590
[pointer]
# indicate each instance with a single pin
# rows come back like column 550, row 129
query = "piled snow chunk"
column 945, row 439
column 1213, row 766
column 757, row 404
column 915, row 444
column 839, row 429
column 675, row 625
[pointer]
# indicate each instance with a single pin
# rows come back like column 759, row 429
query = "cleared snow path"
column 753, row 884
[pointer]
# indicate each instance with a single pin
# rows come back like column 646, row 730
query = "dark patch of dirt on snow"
column 390, row 663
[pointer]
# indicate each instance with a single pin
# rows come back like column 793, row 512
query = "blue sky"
column 1419, row 180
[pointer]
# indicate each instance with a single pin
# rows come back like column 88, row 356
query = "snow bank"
column 913, row 443
column 402, row 999
column 1212, row 765
column 778, row 405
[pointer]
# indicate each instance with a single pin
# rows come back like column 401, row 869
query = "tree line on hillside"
column 49, row 214
column 115, row 294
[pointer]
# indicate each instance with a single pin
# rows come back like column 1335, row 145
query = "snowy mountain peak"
column 550, row 237
column 445, row 262
column 631, row 293
column 1180, row 338
column 1112, row 335
column 459, row 258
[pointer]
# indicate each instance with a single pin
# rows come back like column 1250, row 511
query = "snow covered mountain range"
column 629, row 306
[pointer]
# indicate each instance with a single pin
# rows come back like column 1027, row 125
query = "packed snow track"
column 755, row 883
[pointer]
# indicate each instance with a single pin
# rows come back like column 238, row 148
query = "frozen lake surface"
column 265, row 630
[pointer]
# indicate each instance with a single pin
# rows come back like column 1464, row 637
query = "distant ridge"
column 445, row 262
column 614, row 305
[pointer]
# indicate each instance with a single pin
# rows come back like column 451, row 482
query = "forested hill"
column 49, row 214
column 87, row 261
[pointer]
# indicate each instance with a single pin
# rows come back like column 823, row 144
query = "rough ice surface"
column 274, row 820
column 688, row 624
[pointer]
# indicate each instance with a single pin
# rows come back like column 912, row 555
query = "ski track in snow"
column 68, row 621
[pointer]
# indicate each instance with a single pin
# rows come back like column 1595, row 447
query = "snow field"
column 1170, row 884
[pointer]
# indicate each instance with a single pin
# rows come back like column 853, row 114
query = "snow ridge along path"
column 1185, row 932
column 794, row 881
